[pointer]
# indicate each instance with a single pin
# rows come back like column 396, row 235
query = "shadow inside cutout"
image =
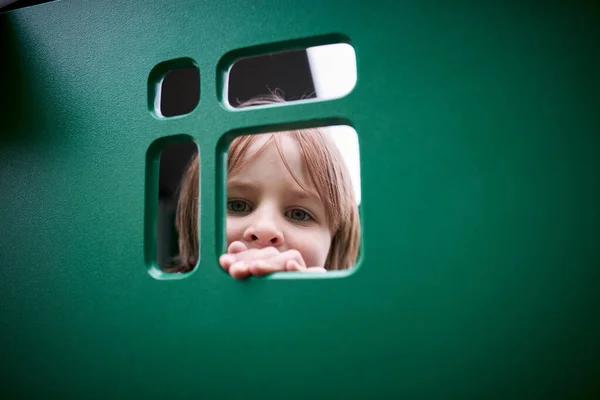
column 180, row 92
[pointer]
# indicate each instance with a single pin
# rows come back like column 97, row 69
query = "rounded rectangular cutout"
column 321, row 71
column 292, row 204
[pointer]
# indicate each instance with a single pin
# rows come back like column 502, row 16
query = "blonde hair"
column 326, row 170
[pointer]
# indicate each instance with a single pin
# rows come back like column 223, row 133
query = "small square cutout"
column 174, row 88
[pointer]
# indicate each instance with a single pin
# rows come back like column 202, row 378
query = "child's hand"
column 242, row 262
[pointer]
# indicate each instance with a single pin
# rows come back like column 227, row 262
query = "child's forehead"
column 277, row 157
column 259, row 140
column 283, row 143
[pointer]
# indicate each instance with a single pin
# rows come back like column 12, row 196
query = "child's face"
column 266, row 207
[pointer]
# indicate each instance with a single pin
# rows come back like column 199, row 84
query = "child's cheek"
column 235, row 230
column 314, row 248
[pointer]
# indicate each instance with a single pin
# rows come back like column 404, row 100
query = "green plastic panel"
column 479, row 126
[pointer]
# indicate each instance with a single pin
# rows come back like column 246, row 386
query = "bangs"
column 321, row 160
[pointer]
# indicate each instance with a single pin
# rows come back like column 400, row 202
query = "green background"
column 480, row 271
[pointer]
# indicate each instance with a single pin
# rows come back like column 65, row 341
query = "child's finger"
column 239, row 270
column 257, row 254
column 294, row 266
column 290, row 260
column 286, row 256
column 263, row 267
column 236, row 247
column 226, row 260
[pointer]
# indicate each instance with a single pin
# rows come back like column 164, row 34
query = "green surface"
column 479, row 129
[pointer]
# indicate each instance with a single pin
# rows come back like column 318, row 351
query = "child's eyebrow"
column 242, row 185
column 300, row 194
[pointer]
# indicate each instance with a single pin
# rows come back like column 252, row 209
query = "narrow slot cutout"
column 173, row 206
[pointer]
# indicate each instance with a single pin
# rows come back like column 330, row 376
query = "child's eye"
column 238, row 206
column 298, row 215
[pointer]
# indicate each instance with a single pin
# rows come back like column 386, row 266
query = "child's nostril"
column 274, row 241
column 254, row 237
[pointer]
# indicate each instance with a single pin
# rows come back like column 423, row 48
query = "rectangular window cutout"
column 292, row 204
column 175, row 204
column 174, row 88
column 322, row 72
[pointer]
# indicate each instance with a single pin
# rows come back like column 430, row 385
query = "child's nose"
column 264, row 232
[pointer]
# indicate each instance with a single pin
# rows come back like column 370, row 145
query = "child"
column 290, row 206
